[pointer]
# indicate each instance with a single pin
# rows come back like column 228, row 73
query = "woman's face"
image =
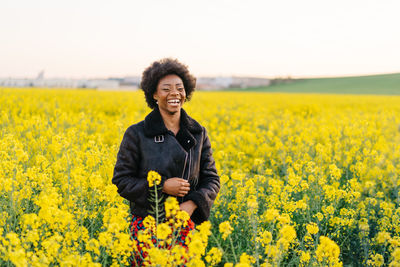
column 170, row 94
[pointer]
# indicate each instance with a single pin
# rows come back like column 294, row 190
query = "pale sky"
column 97, row 38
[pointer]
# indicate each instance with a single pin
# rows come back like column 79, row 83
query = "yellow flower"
column 271, row 251
column 287, row 236
column 93, row 245
column 214, row 256
column 196, row 246
column 382, row 237
column 396, row 254
column 226, row 229
column 271, row 214
column 182, row 218
column 265, row 238
column 157, row 257
column 163, row 230
column 196, row 262
column 378, row 260
column 252, row 202
column 363, row 225
column 204, row 230
column 319, row 216
column 312, row 228
column 245, row 261
column 305, row 257
column 171, row 207
column 153, row 178
column 327, row 251
column 149, row 222
column 287, row 232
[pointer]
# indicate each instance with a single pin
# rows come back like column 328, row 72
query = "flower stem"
column 233, row 249
column 156, row 204
column 218, row 244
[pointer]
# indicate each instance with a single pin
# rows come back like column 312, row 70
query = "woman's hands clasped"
column 176, row 187
column 179, row 187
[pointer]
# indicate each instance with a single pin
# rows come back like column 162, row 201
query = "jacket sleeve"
column 129, row 185
column 208, row 186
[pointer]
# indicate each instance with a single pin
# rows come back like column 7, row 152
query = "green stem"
column 255, row 225
column 175, row 234
column 233, row 249
column 255, row 240
column 156, row 204
column 156, row 193
column 223, row 252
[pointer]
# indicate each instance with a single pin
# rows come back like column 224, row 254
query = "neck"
column 171, row 121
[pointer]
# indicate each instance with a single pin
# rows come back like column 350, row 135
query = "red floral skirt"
column 137, row 225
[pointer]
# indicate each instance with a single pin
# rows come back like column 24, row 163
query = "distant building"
column 216, row 83
column 131, row 83
column 128, row 83
column 40, row 75
column 60, row 83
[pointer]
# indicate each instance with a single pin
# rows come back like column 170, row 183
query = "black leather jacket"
column 149, row 145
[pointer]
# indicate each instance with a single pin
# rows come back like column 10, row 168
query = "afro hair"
column 161, row 68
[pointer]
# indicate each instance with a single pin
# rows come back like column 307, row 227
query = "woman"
column 169, row 142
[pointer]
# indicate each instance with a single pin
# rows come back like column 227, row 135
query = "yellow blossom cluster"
column 157, row 242
column 153, row 178
column 306, row 180
column 225, row 229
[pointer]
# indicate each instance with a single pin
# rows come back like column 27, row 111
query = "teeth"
column 175, row 101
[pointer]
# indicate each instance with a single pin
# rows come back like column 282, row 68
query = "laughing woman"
column 171, row 143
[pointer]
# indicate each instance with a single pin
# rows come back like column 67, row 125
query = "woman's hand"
column 188, row 206
column 176, row 187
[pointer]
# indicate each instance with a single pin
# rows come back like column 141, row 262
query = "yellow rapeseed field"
column 306, row 180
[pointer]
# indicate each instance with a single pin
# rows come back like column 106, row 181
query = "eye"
column 181, row 89
column 165, row 89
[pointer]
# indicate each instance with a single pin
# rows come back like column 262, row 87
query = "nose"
column 174, row 91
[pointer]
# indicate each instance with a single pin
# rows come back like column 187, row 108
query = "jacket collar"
column 154, row 124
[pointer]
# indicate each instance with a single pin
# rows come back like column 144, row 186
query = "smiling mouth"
column 174, row 102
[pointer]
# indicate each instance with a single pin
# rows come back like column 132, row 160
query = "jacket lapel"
column 189, row 123
column 154, row 126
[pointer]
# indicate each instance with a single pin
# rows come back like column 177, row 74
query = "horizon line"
column 215, row 76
